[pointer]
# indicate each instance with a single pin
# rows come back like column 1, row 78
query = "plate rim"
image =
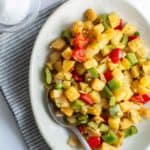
column 32, row 58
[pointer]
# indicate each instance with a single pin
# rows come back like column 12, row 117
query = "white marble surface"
column 10, row 138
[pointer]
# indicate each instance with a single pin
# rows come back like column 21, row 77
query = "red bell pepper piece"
column 120, row 26
column 132, row 37
column 137, row 98
column 86, row 98
column 143, row 99
column 81, row 129
column 79, row 55
column 115, row 55
column 80, row 41
column 76, row 76
column 108, row 75
column 146, row 98
column 94, row 141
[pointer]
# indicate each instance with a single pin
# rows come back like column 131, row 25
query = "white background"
column 10, row 138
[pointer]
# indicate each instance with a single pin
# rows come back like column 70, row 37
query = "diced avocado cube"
column 124, row 40
column 82, row 119
column 105, row 21
column 112, row 101
column 93, row 72
column 48, row 75
column 131, row 131
column 132, row 58
column 93, row 125
column 107, row 92
column 113, row 85
column 110, row 137
column 115, row 111
column 66, row 35
column 77, row 104
column 103, row 127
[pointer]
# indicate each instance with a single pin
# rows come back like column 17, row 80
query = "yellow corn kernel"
column 94, row 110
column 66, row 54
column 106, row 146
column 135, row 116
column 135, row 85
column 59, row 76
column 126, row 106
column 114, row 19
column 68, row 65
column 67, row 111
column 90, row 63
column 61, row 102
column 135, row 45
column 92, row 50
column 114, row 123
column 84, row 87
column 112, row 66
column 135, row 72
column 118, row 75
column 119, row 94
column 129, row 29
column 98, row 85
column 90, row 14
column 77, row 27
column 67, row 75
column 120, row 139
column 117, row 36
column 145, row 81
column 95, row 96
column 72, row 94
column 144, row 112
column 142, row 90
column 127, row 77
column 55, row 94
column 58, row 44
column 146, row 67
column 66, row 84
column 129, row 93
column 125, row 63
column 103, row 41
column 96, row 31
column 125, row 123
column 109, row 33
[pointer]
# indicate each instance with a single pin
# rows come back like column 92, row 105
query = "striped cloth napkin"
column 15, row 51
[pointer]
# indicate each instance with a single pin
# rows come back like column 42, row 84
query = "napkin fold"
column 15, row 51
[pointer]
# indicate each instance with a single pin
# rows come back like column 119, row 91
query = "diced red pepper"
column 86, row 98
column 120, row 26
column 77, row 77
column 132, row 37
column 146, row 98
column 80, row 41
column 108, row 75
column 79, row 55
column 81, row 129
column 137, row 98
column 94, row 141
column 143, row 99
column 116, row 55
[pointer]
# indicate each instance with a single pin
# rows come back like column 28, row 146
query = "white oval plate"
column 55, row 136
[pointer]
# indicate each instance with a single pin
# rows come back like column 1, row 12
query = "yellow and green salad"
column 98, row 76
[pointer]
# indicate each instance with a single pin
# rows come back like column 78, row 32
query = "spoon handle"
column 81, row 138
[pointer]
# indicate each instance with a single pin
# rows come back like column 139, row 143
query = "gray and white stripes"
column 15, row 50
